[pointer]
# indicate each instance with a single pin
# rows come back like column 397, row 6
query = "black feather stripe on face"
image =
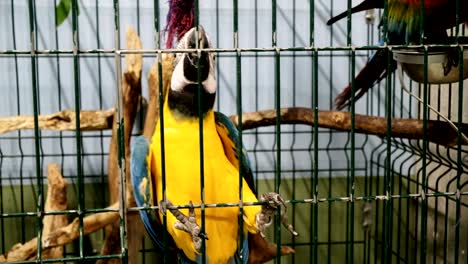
column 186, row 101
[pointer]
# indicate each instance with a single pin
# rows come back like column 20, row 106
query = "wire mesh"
column 352, row 197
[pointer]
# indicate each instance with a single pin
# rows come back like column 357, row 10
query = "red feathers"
column 427, row 3
column 180, row 19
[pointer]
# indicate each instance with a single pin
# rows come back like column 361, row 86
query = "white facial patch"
column 210, row 83
column 178, row 80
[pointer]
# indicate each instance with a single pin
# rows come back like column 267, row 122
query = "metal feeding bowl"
column 412, row 63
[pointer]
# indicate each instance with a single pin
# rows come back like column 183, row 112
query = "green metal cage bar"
column 392, row 151
column 40, row 195
column 240, row 219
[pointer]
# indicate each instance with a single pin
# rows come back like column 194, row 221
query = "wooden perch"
column 64, row 120
column 438, row 132
column 91, row 224
column 152, row 115
column 56, row 201
column 131, row 91
column 62, row 236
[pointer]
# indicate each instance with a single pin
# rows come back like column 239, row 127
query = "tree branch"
column 131, row 91
column 152, row 115
column 56, row 201
column 438, row 132
column 62, row 236
column 64, row 120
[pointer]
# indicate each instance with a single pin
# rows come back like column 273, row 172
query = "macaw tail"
column 365, row 5
column 372, row 73
column 141, row 183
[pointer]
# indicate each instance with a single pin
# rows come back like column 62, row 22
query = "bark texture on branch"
column 131, row 91
column 152, row 115
column 91, row 224
column 438, row 132
column 63, row 120
column 56, row 201
column 61, row 236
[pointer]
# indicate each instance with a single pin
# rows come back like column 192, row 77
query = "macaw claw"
column 265, row 217
column 184, row 223
column 163, row 206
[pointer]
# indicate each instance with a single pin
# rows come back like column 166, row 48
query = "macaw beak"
column 197, row 61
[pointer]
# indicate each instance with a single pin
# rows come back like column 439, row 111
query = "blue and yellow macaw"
column 182, row 167
column 405, row 21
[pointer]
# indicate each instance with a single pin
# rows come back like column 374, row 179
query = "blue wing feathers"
column 141, row 187
column 139, row 170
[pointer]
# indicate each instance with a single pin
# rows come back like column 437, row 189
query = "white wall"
column 97, row 77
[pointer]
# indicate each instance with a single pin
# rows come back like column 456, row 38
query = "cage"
column 354, row 196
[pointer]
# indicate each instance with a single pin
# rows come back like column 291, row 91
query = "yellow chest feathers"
column 183, row 183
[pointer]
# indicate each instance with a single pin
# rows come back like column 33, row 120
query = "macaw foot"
column 450, row 61
column 265, row 217
column 184, row 223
